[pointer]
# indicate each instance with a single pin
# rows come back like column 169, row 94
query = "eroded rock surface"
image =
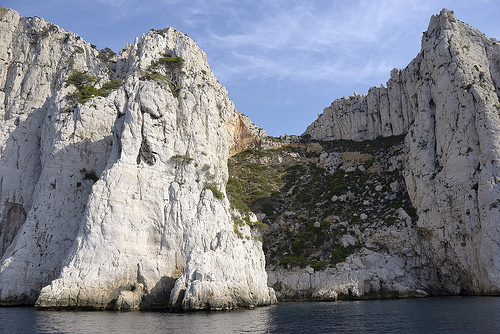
column 113, row 172
column 447, row 103
column 113, row 175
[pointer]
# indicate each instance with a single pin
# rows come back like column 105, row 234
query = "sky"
column 282, row 61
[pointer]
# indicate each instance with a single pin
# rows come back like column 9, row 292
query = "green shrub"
column 171, row 63
column 110, row 86
column 154, row 77
column 268, row 209
column 158, row 31
column 85, row 87
column 236, row 224
column 212, row 186
column 48, row 30
column 106, row 54
column 235, row 190
column 89, row 174
column 182, row 157
column 318, row 265
column 80, row 79
column 341, row 253
column 391, row 220
column 166, row 70
column 258, row 223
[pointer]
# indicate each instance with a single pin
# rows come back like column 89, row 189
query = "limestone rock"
column 330, row 162
column 41, row 204
column 243, row 134
column 130, row 300
column 368, row 276
column 364, row 274
column 446, row 101
column 107, row 201
column 211, row 282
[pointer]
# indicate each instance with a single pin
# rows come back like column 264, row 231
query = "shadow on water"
column 428, row 315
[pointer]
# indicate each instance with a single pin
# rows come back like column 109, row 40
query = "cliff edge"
column 446, row 102
column 113, row 172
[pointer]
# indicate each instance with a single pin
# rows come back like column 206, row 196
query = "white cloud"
column 314, row 40
column 127, row 9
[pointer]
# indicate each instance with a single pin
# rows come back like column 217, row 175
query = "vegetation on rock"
column 312, row 209
column 84, row 84
column 89, row 174
column 214, row 189
column 166, row 70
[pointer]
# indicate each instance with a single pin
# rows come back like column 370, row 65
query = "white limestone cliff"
column 118, row 201
column 447, row 103
column 156, row 148
column 39, row 223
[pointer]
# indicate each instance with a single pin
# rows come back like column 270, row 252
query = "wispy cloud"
column 318, row 40
column 124, row 9
column 314, row 40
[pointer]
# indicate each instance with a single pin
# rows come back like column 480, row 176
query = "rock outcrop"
column 114, row 190
column 447, row 103
column 113, row 173
column 339, row 223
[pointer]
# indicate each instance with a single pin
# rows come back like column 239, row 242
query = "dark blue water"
column 429, row 315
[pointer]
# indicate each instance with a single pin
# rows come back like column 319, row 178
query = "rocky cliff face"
column 113, row 173
column 447, row 104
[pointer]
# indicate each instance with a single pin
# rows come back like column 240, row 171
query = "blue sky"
column 282, row 61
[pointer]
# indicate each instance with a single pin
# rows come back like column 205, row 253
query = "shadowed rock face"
column 113, row 175
column 13, row 218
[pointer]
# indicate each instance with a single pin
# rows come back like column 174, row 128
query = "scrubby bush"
column 106, row 54
column 212, row 186
column 182, row 157
column 89, row 174
column 86, row 89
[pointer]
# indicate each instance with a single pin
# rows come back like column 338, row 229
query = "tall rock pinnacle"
column 447, row 102
column 113, row 173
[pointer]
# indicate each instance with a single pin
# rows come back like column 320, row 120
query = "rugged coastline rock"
column 124, row 161
column 447, row 104
column 130, row 181
column 337, row 219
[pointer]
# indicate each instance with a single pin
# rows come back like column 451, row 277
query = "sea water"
column 427, row 315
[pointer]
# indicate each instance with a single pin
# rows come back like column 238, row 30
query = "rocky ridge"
column 114, row 170
column 446, row 103
column 113, row 175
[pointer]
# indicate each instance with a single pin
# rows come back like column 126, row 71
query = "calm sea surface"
column 429, row 315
